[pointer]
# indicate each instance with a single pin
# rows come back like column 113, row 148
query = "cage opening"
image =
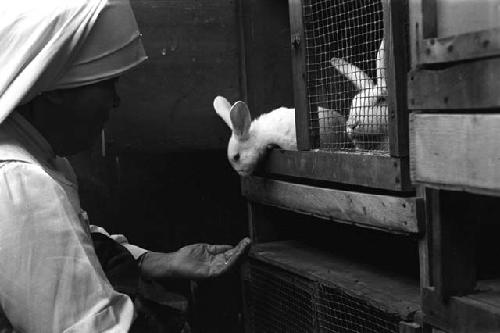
column 345, row 74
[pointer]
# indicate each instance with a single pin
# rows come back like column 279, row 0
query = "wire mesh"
column 278, row 301
column 340, row 312
column 345, row 73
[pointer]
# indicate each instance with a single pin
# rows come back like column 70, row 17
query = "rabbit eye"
column 236, row 157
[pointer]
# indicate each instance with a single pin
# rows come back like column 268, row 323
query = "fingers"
column 218, row 249
column 224, row 261
column 245, row 242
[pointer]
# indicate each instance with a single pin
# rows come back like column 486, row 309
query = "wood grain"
column 396, row 46
column 384, row 290
column 302, row 114
column 473, row 45
column 457, row 151
column 370, row 170
column 474, row 313
column 472, row 85
column 388, row 213
column 461, row 17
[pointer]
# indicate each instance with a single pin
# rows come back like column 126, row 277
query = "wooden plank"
column 481, row 44
column 193, row 50
column 473, row 313
column 457, row 151
column 429, row 17
column 422, row 24
column 413, row 147
column 472, row 85
column 364, row 169
column 415, row 31
column 302, row 114
column 396, row 24
column 424, row 244
column 452, row 242
column 461, row 17
column 388, row 291
column 383, row 212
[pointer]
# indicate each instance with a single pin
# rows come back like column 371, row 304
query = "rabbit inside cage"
column 345, row 68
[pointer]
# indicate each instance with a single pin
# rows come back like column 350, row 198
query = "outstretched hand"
column 196, row 261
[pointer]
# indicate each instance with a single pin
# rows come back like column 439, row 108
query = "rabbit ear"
column 241, row 119
column 222, row 108
column 381, row 83
column 353, row 73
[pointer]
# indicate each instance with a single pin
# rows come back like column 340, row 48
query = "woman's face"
column 72, row 119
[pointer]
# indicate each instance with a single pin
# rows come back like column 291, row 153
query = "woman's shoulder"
column 23, row 173
column 13, row 151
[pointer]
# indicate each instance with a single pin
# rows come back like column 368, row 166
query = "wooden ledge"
column 388, row 291
column 384, row 212
column 363, row 169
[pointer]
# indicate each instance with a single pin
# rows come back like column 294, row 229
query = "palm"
column 204, row 261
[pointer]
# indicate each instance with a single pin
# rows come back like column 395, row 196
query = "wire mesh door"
column 345, row 74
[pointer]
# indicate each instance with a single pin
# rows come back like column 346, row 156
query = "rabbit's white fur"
column 368, row 113
column 250, row 139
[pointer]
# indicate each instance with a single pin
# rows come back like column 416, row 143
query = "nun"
column 60, row 60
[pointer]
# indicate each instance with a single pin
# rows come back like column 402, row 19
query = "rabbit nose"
column 353, row 125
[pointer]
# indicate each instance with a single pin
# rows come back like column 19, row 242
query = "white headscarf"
column 56, row 44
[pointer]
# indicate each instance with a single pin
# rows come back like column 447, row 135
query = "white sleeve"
column 135, row 250
column 51, row 279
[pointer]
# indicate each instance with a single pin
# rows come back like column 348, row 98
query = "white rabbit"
column 250, row 139
column 368, row 114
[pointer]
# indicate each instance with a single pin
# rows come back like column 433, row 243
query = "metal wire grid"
column 279, row 302
column 340, row 312
column 347, row 103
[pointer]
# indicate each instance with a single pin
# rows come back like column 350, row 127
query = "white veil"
column 55, row 44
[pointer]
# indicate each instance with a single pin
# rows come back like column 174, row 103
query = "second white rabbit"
column 367, row 124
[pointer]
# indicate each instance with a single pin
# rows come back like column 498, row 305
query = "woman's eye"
column 236, row 157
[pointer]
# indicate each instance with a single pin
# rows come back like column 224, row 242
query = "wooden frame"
column 443, row 75
column 464, row 86
column 396, row 50
column 302, row 114
column 375, row 171
column 357, row 280
column 456, row 151
column 429, row 48
column 453, row 300
column 395, row 175
column 395, row 19
column 383, row 212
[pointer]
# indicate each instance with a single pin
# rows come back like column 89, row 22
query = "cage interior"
column 345, row 71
